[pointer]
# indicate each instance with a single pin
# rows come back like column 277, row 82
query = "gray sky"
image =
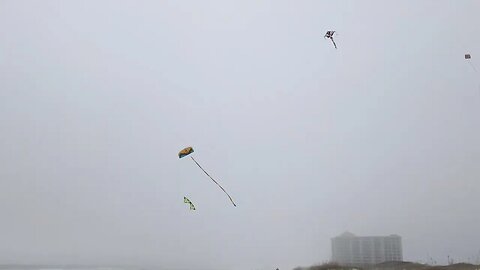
column 377, row 137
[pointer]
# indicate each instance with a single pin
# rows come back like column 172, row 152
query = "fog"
column 378, row 137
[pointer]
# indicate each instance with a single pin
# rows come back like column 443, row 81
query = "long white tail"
column 214, row 181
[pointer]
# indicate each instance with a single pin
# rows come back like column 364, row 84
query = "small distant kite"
column 468, row 57
column 329, row 35
column 187, row 151
column 187, row 201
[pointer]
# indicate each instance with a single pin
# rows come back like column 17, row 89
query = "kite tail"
column 474, row 68
column 334, row 43
column 214, row 181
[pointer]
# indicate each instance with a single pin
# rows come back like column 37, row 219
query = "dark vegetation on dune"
column 393, row 266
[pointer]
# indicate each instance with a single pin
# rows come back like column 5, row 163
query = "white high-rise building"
column 348, row 249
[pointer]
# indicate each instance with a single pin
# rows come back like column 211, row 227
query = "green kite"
column 186, row 200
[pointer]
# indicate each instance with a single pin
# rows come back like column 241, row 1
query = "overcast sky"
column 378, row 137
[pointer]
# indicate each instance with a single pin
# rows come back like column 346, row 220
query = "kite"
column 468, row 57
column 186, row 200
column 329, row 35
column 187, row 151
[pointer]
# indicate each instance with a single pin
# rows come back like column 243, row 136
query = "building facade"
column 348, row 249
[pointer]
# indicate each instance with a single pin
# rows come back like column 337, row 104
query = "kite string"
column 214, row 181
